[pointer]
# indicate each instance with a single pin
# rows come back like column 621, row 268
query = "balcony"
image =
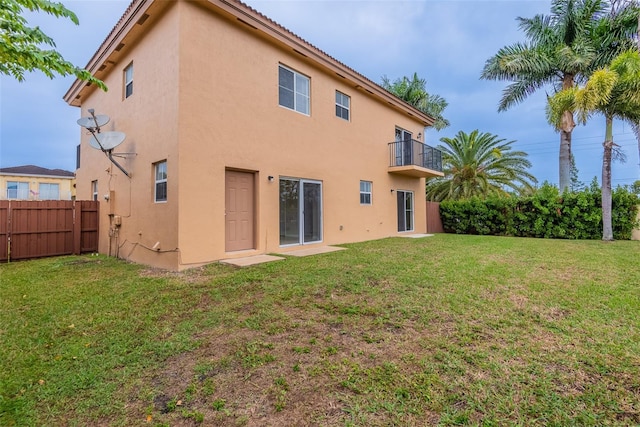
column 413, row 158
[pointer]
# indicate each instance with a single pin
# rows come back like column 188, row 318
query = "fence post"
column 77, row 227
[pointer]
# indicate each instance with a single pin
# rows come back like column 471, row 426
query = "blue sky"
column 445, row 41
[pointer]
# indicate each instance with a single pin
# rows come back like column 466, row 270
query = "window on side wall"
column 343, row 105
column 160, row 172
column 94, row 190
column 293, row 90
column 17, row 190
column 49, row 191
column 128, row 81
column 365, row 192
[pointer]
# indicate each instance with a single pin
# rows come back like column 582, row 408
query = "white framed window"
column 293, row 90
column 17, row 190
column 48, row 191
column 128, row 81
column 160, row 173
column 343, row 105
column 365, row 192
column 94, row 190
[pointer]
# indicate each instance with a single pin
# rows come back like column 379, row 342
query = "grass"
column 447, row 330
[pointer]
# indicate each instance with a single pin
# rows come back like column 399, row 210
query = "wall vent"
column 142, row 19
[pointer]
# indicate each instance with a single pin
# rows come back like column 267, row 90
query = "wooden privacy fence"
column 434, row 222
column 37, row 229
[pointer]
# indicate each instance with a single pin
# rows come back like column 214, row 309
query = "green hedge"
column 547, row 214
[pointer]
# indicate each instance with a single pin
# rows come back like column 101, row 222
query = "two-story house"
column 30, row 182
column 242, row 139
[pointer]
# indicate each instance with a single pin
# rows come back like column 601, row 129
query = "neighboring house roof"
column 36, row 171
column 129, row 29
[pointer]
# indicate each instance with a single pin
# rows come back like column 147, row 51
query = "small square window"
column 128, row 81
column 161, row 181
column 343, row 105
column 365, row 192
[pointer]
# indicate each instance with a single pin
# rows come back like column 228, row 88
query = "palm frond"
column 517, row 92
column 597, row 91
column 479, row 164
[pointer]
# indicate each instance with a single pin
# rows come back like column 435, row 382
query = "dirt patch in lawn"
column 306, row 375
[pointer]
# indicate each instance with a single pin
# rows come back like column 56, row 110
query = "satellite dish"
column 93, row 122
column 107, row 140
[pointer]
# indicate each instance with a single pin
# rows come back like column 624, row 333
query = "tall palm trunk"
column 564, row 169
column 566, row 127
column 607, row 229
column 636, row 126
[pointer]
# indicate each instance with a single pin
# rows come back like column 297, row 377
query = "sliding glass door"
column 405, row 210
column 300, row 211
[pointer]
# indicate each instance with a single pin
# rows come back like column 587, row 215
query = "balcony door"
column 404, row 152
column 300, row 211
column 405, row 210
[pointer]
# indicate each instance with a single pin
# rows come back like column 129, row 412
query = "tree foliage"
column 575, row 183
column 25, row 49
column 479, row 165
column 613, row 92
column 562, row 49
column 414, row 91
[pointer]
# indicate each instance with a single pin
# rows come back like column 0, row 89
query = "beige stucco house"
column 30, row 182
column 242, row 139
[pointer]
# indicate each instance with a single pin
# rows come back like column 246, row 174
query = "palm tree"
column 615, row 93
column 622, row 5
column 479, row 164
column 413, row 90
column 563, row 48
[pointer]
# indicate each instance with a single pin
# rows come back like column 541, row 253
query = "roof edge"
column 260, row 22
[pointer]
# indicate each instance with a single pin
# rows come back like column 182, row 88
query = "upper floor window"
column 94, row 190
column 17, row 190
column 293, row 90
column 161, row 181
column 343, row 103
column 365, row 192
column 49, row 191
column 128, row 80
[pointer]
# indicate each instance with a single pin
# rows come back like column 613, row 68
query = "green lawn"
column 447, row 330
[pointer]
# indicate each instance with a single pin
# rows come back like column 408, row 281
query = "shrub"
column 546, row 214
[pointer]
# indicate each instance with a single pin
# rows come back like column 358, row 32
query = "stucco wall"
column 230, row 118
column 206, row 100
column 149, row 119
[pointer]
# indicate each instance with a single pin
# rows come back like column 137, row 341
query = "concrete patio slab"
column 251, row 260
column 313, row 251
column 415, row 236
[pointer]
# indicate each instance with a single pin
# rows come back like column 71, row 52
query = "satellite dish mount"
column 103, row 141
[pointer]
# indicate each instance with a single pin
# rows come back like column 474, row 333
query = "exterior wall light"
column 270, row 178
